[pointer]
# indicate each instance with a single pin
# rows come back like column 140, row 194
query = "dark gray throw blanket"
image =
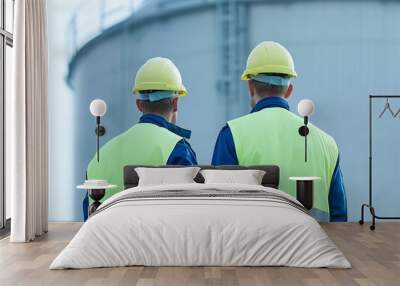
column 205, row 194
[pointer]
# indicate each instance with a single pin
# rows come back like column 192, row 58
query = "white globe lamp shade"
column 305, row 107
column 98, row 107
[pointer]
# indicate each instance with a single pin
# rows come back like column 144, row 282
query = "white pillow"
column 248, row 177
column 166, row 176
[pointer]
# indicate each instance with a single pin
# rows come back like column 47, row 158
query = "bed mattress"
column 201, row 225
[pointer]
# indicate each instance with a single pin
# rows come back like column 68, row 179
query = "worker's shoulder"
column 244, row 118
column 239, row 119
column 114, row 142
column 150, row 129
column 280, row 114
column 323, row 135
column 146, row 129
column 272, row 113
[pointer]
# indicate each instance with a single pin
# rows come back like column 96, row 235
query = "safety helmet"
column 159, row 74
column 269, row 57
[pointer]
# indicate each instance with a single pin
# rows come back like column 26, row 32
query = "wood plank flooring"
column 375, row 257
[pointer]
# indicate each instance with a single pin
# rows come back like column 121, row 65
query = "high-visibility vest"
column 142, row 144
column 270, row 136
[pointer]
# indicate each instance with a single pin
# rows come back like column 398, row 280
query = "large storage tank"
column 343, row 51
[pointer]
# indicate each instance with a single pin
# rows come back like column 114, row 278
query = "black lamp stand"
column 303, row 131
column 100, row 131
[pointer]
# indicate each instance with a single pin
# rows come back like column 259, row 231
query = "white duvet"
column 192, row 231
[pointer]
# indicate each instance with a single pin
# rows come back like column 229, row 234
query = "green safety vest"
column 142, row 144
column 270, row 137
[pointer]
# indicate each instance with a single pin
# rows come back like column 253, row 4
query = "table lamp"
column 98, row 108
column 305, row 108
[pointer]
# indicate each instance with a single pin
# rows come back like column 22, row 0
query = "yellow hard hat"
column 269, row 57
column 159, row 74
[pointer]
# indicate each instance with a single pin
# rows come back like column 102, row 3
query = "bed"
column 201, row 224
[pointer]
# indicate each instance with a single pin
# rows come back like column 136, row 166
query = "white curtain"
column 26, row 123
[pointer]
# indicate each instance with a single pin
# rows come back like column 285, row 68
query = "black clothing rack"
column 370, row 203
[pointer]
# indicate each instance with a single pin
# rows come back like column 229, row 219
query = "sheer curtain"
column 26, row 123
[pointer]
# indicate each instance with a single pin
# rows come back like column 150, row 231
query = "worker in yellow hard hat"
column 269, row 134
column 155, row 140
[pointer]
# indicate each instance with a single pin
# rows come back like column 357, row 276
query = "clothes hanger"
column 397, row 113
column 387, row 107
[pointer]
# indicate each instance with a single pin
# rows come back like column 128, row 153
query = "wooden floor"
column 375, row 257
